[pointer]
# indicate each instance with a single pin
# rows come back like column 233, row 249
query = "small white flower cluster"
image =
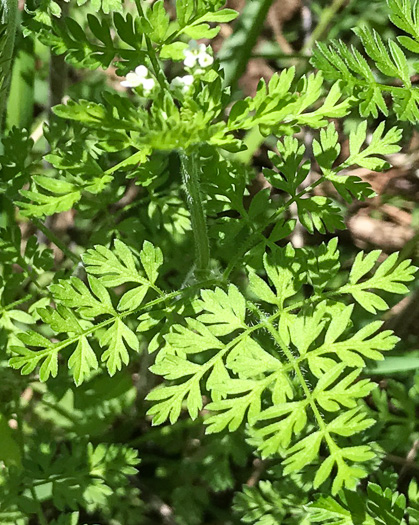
column 140, row 77
column 197, row 54
column 184, row 83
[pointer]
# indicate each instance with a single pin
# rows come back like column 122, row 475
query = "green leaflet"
column 319, row 213
column 78, row 307
column 388, row 277
column 270, row 503
column 107, row 6
column 116, row 339
column 100, row 46
column 87, row 473
column 379, row 505
column 82, row 361
column 277, row 107
column 350, row 67
column 291, row 170
column 118, row 267
column 63, row 197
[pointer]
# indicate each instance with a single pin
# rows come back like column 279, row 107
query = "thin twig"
column 10, row 306
column 408, row 465
column 259, row 467
column 410, row 458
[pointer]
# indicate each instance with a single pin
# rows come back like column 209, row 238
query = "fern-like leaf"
column 79, row 306
column 223, row 352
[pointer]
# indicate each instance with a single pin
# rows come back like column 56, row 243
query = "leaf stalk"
column 161, row 77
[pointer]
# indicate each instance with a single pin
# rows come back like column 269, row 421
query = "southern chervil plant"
column 243, row 330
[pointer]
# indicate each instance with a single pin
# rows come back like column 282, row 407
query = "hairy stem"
column 13, row 305
column 190, row 176
column 61, row 345
column 161, row 77
column 8, row 13
column 307, row 392
column 58, row 71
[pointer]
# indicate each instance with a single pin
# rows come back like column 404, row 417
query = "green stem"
column 190, row 176
column 278, row 55
column 9, row 19
column 307, row 392
column 237, row 49
column 54, row 239
column 58, row 71
column 39, row 512
column 161, row 77
column 325, row 19
column 173, row 295
column 10, row 306
column 31, row 272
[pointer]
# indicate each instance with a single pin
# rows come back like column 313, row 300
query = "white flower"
column 132, row 81
column 183, row 83
column 188, row 80
column 197, row 53
column 190, row 59
column 139, row 77
column 205, row 60
column 141, row 71
column 148, row 84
